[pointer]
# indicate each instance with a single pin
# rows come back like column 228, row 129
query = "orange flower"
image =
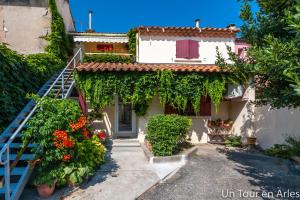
column 79, row 124
column 67, row 157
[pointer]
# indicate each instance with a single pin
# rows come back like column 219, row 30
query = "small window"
column 187, row 49
column 205, row 109
column 104, row 47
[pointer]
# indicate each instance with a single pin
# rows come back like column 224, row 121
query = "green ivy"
column 132, row 41
column 60, row 44
column 176, row 89
column 111, row 58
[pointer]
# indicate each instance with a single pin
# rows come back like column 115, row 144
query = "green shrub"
column 166, row 132
column 43, row 66
column 107, row 58
column 68, row 151
column 233, row 141
column 286, row 151
column 16, row 80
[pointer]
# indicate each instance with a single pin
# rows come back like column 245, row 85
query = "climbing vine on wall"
column 176, row 89
column 60, row 44
column 132, row 42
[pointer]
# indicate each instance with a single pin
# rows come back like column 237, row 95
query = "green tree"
column 274, row 55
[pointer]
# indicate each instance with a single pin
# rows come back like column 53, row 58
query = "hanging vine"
column 176, row 89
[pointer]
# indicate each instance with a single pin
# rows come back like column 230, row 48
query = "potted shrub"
column 45, row 184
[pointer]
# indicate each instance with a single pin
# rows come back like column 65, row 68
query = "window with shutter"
column 182, row 49
column 187, row 49
column 193, row 49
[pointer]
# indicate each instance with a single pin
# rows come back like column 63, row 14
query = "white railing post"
column 62, row 85
column 80, row 55
column 7, row 175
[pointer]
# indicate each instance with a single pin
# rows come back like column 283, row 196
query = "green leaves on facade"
column 176, row 89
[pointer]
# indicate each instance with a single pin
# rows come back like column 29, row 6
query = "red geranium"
column 79, row 124
column 61, row 139
column 101, row 135
column 67, row 157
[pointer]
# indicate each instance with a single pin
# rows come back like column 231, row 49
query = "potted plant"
column 101, row 135
column 45, row 184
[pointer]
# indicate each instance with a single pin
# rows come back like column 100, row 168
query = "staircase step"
column 13, row 186
column 18, row 145
column 125, row 143
column 16, row 171
column 9, row 135
column 23, row 157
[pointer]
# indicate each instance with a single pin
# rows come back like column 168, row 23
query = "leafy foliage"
column 176, row 89
column 233, row 141
column 286, row 151
column 166, row 132
column 107, row 58
column 60, row 44
column 132, row 42
column 16, row 80
column 67, row 150
column 274, row 55
column 43, row 66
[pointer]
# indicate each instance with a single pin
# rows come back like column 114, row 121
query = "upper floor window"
column 187, row 49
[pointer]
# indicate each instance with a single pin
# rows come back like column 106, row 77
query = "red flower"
column 68, row 143
column 67, row 157
column 79, row 124
column 101, row 135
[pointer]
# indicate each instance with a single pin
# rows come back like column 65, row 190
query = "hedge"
column 166, row 132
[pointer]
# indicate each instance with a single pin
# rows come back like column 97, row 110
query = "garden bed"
column 182, row 156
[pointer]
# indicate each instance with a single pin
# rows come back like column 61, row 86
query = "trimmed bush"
column 166, row 133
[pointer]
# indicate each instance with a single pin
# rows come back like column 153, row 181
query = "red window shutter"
column 170, row 110
column 205, row 106
column 193, row 49
column 182, row 48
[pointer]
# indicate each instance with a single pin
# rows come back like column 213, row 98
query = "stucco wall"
column 26, row 25
column 273, row 126
column 163, row 49
column 63, row 7
column 241, row 112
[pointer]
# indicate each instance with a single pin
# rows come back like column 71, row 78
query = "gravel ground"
column 216, row 174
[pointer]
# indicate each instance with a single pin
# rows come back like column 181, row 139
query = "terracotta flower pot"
column 45, row 191
column 251, row 140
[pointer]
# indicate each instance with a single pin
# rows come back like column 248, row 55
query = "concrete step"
column 125, row 143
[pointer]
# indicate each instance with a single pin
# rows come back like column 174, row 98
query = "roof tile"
column 146, row 67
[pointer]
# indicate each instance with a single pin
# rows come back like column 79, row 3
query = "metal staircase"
column 15, row 167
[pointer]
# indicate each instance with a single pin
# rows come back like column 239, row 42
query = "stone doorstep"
column 183, row 157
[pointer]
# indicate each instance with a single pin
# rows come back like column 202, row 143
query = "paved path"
column 125, row 176
column 211, row 170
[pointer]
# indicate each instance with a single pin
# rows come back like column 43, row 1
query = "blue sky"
column 121, row 15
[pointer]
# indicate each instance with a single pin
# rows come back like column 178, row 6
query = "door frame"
column 121, row 134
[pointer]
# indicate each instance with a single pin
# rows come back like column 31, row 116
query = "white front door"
column 125, row 120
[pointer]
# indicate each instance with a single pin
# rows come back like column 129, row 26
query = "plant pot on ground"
column 251, row 140
column 45, row 190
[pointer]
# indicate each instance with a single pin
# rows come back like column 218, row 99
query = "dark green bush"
column 166, row 132
column 107, row 58
column 233, row 141
column 43, row 66
column 16, row 80
column 286, row 151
